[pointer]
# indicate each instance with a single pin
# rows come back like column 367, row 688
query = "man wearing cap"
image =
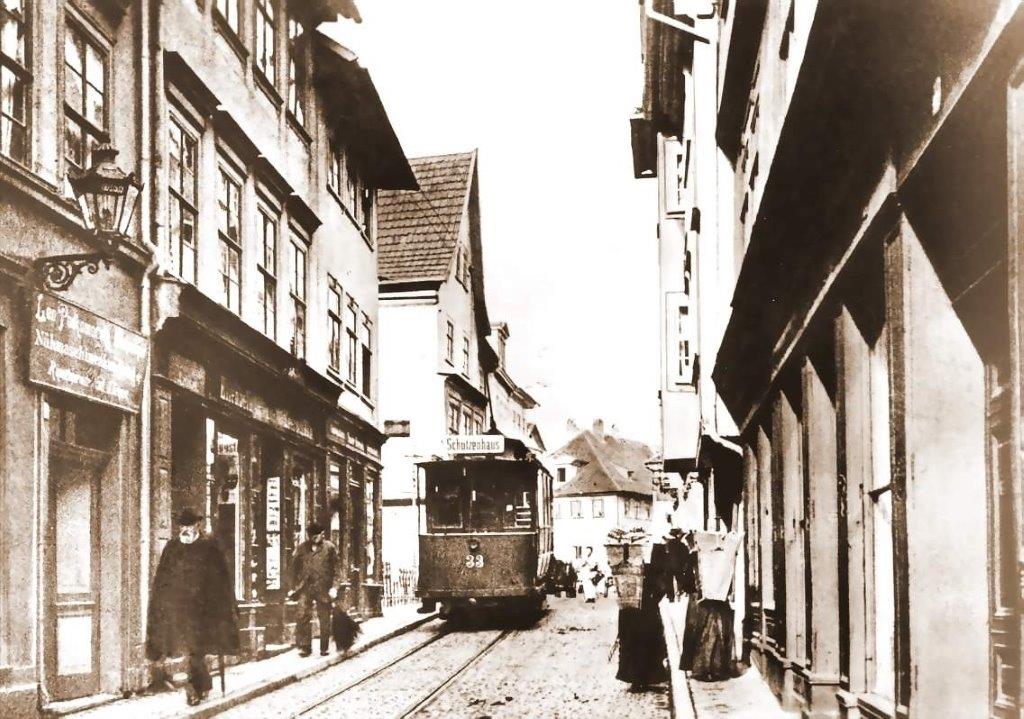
column 315, row 571
column 192, row 608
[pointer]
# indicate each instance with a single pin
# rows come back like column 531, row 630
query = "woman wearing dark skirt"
column 642, row 654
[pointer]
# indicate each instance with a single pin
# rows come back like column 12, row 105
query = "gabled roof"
column 417, row 231
column 608, row 461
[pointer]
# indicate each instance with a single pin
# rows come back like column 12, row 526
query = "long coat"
column 192, row 606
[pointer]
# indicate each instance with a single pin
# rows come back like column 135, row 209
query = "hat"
column 314, row 528
column 187, row 517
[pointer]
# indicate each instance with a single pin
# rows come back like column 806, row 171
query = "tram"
column 485, row 536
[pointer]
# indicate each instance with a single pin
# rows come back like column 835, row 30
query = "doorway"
column 81, row 444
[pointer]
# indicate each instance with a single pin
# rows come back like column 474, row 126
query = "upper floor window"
column 465, row 355
column 229, row 194
column 334, row 323
column 267, row 266
column 297, row 290
column 366, row 356
column 296, row 72
column 598, row 508
column 576, row 508
column 85, row 100
column 453, row 417
column 352, row 345
column 228, row 12
column 266, row 39
column 183, row 161
column 15, row 77
column 449, row 343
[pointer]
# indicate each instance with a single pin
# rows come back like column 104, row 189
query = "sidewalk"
column 251, row 679
column 745, row 697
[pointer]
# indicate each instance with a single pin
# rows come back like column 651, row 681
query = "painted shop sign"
column 273, row 551
column 249, row 401
column 77, row 351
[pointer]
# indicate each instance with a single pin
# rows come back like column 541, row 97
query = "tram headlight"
column 474, row 544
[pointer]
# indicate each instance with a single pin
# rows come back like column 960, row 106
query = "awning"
column 356, row 116
column 725, row 458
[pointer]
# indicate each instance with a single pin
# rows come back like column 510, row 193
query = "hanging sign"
column 76, row 351
column 474, row 444
column 273, row 504
column 273, row 561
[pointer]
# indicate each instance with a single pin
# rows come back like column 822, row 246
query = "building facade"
column 212, row 364
column 601, row 482
column 433, row 332
column 511, row 404
column 871, row 359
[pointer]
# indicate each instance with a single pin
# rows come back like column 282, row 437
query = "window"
column 229, row 194
column 15, row 77
column 367, row 203
column 462, row 266
column 576, row 509
column 227, row 10
column 366, row 366
column 85, row 103
column 297, row 290
column 352, row 346
column 267, row 265
column 334, row 299
column 296, row 72
column 183, row 160
column 598, row 508
column 561, row 474
column 449, row 343
column 453, row 417
column 465, row 355
column 266, row 35
column 336, row 169
column 444, row 502
column 558, row 510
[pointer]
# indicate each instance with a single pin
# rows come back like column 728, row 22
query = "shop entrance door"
column 72, row 624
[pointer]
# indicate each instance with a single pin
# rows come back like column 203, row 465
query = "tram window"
column 444, row 502
column 490, row 499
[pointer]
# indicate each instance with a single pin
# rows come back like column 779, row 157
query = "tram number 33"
column 474, row 561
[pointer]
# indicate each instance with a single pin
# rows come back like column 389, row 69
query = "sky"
column 544, row 90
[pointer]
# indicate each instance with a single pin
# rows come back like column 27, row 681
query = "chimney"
column 599, row 428
column 571, row 427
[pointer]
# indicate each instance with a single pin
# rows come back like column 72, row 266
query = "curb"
column 216, row 706
column 679, row 685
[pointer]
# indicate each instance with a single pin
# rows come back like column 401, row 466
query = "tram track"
column 323, row 704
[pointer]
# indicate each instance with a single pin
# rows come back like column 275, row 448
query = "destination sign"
column 474, row 444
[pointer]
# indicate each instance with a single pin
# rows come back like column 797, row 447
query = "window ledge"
column 230, row 36
column 298, row 129
column 873, row 706
column 367, row 401
column 266, row 86
column 351, row 218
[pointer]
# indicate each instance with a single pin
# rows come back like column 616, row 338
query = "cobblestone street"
column 558, row 668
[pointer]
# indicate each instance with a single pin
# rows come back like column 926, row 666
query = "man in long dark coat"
column 192, row 607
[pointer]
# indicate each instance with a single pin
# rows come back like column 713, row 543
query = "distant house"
column 601, row 482
column 434, row 356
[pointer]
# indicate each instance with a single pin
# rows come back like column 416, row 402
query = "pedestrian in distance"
column 192, row 608
column 315, row 571
column 589, row 576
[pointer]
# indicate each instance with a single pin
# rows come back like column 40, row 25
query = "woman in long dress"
column 587, row 571
column 642, row 654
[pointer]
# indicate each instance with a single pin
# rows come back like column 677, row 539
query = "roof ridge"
column 464, row 153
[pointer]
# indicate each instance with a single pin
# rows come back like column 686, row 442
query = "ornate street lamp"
column 108, row 198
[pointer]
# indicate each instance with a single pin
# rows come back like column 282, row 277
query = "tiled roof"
column 417, row 230
column 611, row 465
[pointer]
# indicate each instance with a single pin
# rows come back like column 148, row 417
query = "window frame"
column 597, row 507
column 465, row 355
column 268, row 269
column 21, row 69
column 262, row 21
column 221, row 15
column 366, row 357
column 298, row 291
column 351, row 340
column 226, row 179
column 450, row 342
column 576, row 509
column 335, row 323
column 178, row 203
column 76, row 27
column 295, row 90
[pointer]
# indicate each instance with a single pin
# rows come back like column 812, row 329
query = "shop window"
column 223, row 465
column 266, row 39
column 444, row 502
column 300, row 491
column 85, row 96
column 297, row 291
column 357, row 520
column 334, row 300
column 370, row 501
column 598, row 508
column 15, row 79
column 183, row 161
column 334, row 502
column 267, row 266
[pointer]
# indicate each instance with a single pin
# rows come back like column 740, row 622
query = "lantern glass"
column 128, row 201
column 106, row 209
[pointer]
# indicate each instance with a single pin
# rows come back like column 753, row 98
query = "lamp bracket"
column 57, row 272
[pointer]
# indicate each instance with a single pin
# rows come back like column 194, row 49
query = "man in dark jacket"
column 315, row 571
column 192, row 608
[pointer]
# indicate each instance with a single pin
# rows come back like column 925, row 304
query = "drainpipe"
column 656, row 16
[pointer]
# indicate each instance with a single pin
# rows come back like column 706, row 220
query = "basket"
column 629, row 585
column 623, row 556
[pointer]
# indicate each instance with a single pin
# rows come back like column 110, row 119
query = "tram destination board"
column 77, row 351
column 474, row 444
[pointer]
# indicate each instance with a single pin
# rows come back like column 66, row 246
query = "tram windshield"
column 489, row 502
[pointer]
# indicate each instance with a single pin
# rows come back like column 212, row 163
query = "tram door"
column 80, row 448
